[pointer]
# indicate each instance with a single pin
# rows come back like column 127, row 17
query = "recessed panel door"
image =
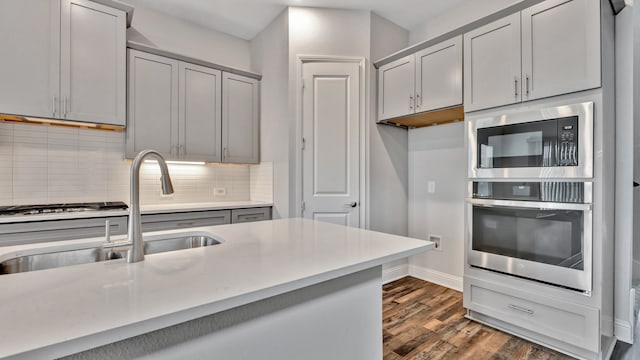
column 30, row 42
column 396, row 88
column 153, row 104
column 200, row 115
column 492, row 65
column 331, row 118
column 240, row 119
column 93, row 62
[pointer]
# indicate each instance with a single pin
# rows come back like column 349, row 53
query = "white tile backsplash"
column 50, row 164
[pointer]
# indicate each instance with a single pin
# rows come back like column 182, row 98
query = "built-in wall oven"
column 529, row 203
column 536, row 230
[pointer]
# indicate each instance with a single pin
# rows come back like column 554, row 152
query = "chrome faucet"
column 135, row 228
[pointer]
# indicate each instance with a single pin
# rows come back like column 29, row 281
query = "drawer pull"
column 186, row 223
column 521, row 309
column 255, row 217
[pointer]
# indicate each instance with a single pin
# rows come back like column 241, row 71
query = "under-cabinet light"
column 178, row 162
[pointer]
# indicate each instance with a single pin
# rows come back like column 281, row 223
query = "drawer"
column 252, row 214
column 572, row 323
column 56, row 230
column 158, row 222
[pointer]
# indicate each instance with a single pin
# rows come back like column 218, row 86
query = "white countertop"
column 56, row 312
column 144, row 209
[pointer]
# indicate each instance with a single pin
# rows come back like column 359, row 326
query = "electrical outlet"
column 437, row 239
column 220, row 191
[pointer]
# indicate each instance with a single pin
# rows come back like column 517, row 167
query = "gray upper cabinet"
column 492, row 64
column 191, row 112
column 153, row 104
column 93, row 62
column 427, row 80
column 200, row 115
column 560, row 47
column 396, row 88
column 549, row 49
column 439, row 76
column 63, row 59
column 30, row 39
column 240, row 119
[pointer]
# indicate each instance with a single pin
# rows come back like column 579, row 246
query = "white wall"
column 388, row 146
column 437, row 154
column 316, row 31
column 270, row 57
column 457, row 17
column 172, row 34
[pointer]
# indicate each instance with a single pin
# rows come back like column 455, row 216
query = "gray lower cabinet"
column 158, row 222
column 571, row 323
column 251, row 214
column 22, row 233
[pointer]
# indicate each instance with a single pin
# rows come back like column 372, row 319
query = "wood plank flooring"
column 422, row 320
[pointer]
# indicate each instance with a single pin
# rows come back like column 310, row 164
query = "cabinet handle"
column 521, row 309
column 190, row 223
column 527, row 84
column 181, row 151
column 254, row 217
column 410, row 102
column 418, row 101
column 225, row 153
column 66, row 107
column 516, row 87
column 53, row 105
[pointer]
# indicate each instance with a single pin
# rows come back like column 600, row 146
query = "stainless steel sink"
column 54, row 259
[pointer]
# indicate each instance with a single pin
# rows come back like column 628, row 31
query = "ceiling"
column 246, row 18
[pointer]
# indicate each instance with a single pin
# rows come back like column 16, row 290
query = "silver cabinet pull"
column 53, row 105
column 521, row 309
column 418, row 101
column 527, row 84
column 190, row 223
column 410, row 102
column 516, row 86
column 180, row 151
column 107, row 231
column 66, row 107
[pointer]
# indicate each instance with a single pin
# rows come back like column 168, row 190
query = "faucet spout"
column 135, row 224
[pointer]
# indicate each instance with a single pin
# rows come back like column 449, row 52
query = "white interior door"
column 331, row 111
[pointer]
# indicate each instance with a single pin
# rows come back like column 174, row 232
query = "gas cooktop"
column 61, row 208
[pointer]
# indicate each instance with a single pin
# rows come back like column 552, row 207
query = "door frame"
column 363, row 133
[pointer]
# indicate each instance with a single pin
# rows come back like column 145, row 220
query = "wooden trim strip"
column 55, row 122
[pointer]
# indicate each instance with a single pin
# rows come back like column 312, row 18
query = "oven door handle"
column 529, row 204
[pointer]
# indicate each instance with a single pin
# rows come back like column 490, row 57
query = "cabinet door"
column 29, row 65
column 200, row 115
column 93, row 62
column 153, row 104
column 240, row 119
column 560, row 47
column 396, row 88
column 439, row 76
column 492, row 69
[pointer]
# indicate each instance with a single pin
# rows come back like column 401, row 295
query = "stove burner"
column 61, row 208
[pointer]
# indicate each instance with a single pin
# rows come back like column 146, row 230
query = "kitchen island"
column 282, row 289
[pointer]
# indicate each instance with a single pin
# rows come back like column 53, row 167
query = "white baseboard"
column 622, row 329
column 395, row 273
column 436, row 277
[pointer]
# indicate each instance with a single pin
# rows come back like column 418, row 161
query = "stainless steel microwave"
column 554, row 142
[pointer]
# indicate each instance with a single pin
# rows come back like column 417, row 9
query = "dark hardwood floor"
column 422, row 320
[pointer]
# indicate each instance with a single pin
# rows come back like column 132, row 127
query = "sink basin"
column 85, row 255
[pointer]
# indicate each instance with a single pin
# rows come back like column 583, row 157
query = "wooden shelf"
column 437, row 117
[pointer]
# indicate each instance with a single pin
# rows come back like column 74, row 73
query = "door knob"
column 635, row 184
column 353, row 204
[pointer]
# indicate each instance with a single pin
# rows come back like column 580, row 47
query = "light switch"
column 431, row 187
